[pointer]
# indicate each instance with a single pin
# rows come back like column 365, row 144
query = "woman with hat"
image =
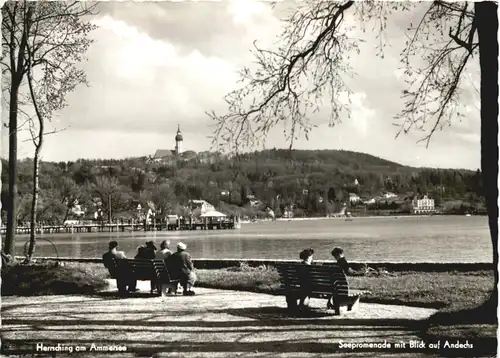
column 181, row 266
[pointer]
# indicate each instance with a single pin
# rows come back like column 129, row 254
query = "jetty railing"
column 124, row 227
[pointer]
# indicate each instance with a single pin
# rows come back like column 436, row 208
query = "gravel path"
column 214, row 323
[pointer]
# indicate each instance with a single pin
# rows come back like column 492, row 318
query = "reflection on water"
column 430, row 239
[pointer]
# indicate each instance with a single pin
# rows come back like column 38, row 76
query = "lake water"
column 404, row 239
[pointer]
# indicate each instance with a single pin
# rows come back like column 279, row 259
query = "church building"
column 167, row 155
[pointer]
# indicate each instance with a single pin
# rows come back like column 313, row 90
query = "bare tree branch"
column 288, row 85
column 36, row 137
column 431, row 100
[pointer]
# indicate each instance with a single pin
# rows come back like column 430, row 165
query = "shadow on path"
column 262, row 329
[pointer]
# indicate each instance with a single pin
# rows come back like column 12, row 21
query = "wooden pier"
column 125, row 227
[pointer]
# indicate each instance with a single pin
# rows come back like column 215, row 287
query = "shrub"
column 50, row 278
column 243, row 277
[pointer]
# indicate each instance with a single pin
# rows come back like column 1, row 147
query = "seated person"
column 306, row 257
column 164, row 251
column 180, row 266
column 124, row 284
column 298, row 299
column 338, row 254
column 147, row 252
column 163, row 254
column 150, row 251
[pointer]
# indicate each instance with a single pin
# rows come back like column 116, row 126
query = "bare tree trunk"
column 11, row 198
column 34, row 203
column 487, row 27
column 38, row 142
column 16, row 67
column 109, row 208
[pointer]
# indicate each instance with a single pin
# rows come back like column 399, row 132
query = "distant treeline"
column 314, row 182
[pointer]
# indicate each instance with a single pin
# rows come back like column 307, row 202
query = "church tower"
column 178, row 141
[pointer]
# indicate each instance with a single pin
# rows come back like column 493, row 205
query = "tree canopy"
column 116, row 187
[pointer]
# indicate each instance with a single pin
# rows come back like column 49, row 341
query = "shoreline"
column 351, row 218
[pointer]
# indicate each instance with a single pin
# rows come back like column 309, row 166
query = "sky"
column 156, row 65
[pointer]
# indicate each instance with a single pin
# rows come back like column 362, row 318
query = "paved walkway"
column 214, row 323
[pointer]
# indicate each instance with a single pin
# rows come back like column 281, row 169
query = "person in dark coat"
column 147, row 252
column 181, row 267
column 305, row 280
column 150, row 251
column 123, row 283
column 338, row 254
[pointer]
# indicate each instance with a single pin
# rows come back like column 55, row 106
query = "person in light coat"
column 181, row 267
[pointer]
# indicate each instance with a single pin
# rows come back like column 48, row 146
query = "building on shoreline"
column 200, row 207
column 422, row 205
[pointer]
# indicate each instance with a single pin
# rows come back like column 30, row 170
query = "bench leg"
column 332, row 304
column 291, row 301
column 122, row 287
column 354, row 303
column 166, row 288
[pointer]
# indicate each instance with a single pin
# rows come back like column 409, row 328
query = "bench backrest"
column 141, row 269
column 317, row 278
column 161, row 270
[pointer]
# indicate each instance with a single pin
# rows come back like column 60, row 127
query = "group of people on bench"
column 306, row 257
column 179, row 264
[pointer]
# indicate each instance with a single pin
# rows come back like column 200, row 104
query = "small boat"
column 468, row 214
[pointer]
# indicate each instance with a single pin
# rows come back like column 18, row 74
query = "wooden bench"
column 320, row 281
column 145, row 270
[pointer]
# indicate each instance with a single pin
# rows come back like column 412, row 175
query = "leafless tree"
column 287, row 84
column 48, row 37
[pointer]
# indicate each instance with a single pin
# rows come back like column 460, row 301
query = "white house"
column 423, row 205
column 77, row 209
column 288, row 212
column 354, row 198
column 389, row 195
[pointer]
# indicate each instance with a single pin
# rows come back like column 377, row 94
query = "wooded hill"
column 314, row 181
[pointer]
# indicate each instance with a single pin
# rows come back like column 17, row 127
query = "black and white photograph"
column 245, row 178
